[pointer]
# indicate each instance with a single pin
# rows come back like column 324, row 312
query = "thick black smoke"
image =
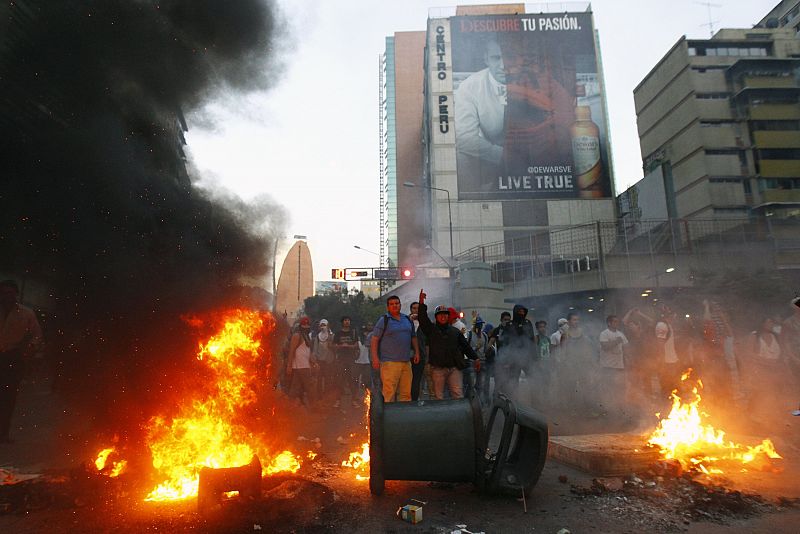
column 97, row 205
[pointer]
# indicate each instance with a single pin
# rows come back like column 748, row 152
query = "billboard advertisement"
column 526, row 107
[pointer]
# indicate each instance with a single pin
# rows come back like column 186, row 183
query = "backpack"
column 383, row 331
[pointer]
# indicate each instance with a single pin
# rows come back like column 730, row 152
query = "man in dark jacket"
column 446, row 350
column 517, row 350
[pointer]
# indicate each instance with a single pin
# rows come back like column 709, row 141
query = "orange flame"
column 684, row 436
column 117, row 468
column 359, row 459
column 207, row 430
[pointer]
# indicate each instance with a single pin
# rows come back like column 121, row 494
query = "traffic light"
column 337, row 274
column 407, row 273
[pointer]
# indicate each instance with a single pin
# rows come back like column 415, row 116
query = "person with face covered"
column 518, row 349
column 446, row 350
column 298, row 365
column 324, row 354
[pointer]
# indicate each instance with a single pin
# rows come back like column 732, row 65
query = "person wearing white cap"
column 325, row 356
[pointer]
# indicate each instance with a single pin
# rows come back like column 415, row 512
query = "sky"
column 311, row 141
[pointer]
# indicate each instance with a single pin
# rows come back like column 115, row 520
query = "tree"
column 333, row 306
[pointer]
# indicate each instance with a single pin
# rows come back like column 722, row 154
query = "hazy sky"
column 311, row 142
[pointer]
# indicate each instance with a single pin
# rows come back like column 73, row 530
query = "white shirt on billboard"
column 480, row 116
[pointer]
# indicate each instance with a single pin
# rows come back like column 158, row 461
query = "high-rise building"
column 460, row 167
column 515, row 130
column 720, row 118
column 402, row 218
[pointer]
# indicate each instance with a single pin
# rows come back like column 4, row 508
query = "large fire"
column 359, row 459
column 208, row 428
column 686, row 437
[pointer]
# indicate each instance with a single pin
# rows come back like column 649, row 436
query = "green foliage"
column 333, row 306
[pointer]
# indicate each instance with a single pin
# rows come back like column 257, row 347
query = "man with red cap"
column 446, row 350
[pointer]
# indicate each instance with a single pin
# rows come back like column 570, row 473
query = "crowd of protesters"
column 623, row 369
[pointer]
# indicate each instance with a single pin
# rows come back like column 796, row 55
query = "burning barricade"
column 210, row 437
column 685, row 436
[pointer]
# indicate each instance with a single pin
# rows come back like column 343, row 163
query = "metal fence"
column 606, row 246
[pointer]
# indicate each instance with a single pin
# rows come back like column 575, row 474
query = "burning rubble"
column 686, row 437
column 359, row 459
column 211, row 427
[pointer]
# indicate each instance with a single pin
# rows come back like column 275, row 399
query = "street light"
column 449, row 210
column 365, row 250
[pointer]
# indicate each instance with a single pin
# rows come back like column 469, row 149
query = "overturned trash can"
column 521, row 452
column 446, row 441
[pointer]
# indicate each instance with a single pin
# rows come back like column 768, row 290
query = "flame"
column 207, row 429
column 117, row 468
column 684, row 436
column 285, row 461
column 359, row 459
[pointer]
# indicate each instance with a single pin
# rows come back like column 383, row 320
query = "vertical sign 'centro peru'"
column 518, row 98
column 442, row 141
column 439, row 62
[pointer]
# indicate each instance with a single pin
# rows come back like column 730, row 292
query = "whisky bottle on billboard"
column 587, row 168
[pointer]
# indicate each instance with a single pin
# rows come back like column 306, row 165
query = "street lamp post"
column 449, row 209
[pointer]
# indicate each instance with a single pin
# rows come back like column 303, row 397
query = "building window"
column 722, row 151
column 779, row 153
column 717, row 124
column 712, row 96
column 775, row 126
column 705, row 68
column 780, row 184
column 740, row 50
column 725, row 180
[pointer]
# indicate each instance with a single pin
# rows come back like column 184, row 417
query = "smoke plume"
column 98, row 207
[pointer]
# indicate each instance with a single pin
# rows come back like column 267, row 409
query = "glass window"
column 711, row 52
column 692, row 51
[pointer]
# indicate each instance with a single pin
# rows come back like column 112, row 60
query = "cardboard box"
column 411, row 513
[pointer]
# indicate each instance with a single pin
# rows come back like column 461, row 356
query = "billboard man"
column 527, row 108
column 481, row 101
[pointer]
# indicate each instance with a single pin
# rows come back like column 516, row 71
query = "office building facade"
column 720, row 119
column 402, row 209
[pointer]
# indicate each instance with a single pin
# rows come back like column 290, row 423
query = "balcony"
column 769, row 82
column 779, row 168
column 771, row 196
column 776, row 139
column 774, row 112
